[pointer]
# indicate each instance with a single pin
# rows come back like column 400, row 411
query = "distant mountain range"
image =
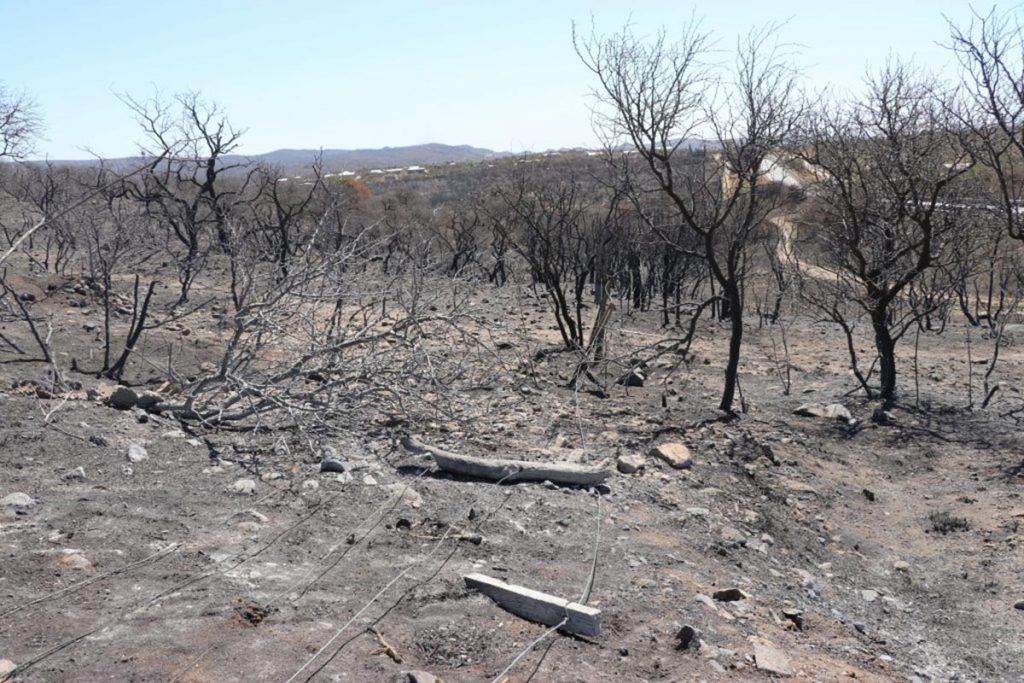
column 334, row 160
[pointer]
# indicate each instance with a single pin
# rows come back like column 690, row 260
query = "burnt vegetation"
column 728, row 218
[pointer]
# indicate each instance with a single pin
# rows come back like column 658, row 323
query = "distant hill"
column 334, row 160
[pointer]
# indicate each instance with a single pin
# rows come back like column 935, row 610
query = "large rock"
column 832, row 411
column 676, row 455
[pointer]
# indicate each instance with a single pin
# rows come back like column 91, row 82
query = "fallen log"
column 498, row 469
column 538, row 607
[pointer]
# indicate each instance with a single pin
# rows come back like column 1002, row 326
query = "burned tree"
column 658, row 97
column 889, row 205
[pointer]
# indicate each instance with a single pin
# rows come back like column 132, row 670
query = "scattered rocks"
column 676, row 455
column 137, row 453
column 729, row 595
column 17, row 500
column 245, row 487
column 832, row 411
column 629, row 464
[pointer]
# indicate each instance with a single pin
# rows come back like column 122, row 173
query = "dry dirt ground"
column 160, row 570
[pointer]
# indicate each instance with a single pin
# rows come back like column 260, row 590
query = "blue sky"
column 342, row 74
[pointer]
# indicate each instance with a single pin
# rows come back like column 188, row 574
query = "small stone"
column 633, row 378
column 732, row 536
column 246, row 487
column 123, row 398
column 901, row 566
column 310, row 485
column 250, row 528
column 369, row 480
column 771, row 659
column 832, row 411
column 1019, row 605
column 77, row 474
column 796, row 616
column 869, row 595
column 75, row 561
column 148, row 400
column 345, row 478
column 7, row 666
column 676, row 455
column 97, row 440
column 409, row 496
column 629, row 464
column 137, row 453
column 685, row 637
column 729, row 595
column 333, row 465
column 18, row 500
column 418, row 676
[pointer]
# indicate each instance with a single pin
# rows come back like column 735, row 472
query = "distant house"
column 416, row 169
column 376, row 171
column 393, row 170
column 347, row 174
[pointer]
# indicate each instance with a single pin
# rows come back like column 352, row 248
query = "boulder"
column 676, row 455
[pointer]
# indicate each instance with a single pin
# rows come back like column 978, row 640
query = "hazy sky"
column 341, row 74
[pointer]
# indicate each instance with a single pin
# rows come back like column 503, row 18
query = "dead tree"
column 658, row 97
column 188, row 189
column 20, row 125
column 888, row 201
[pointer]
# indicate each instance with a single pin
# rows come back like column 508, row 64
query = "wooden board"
column 539, row 607
column 511, row 471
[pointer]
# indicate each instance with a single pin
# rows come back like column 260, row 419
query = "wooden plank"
column 497, row 469
column 539, row 607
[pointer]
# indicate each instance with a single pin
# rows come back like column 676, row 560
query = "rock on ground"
column 18, row 500
column 676, row 455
